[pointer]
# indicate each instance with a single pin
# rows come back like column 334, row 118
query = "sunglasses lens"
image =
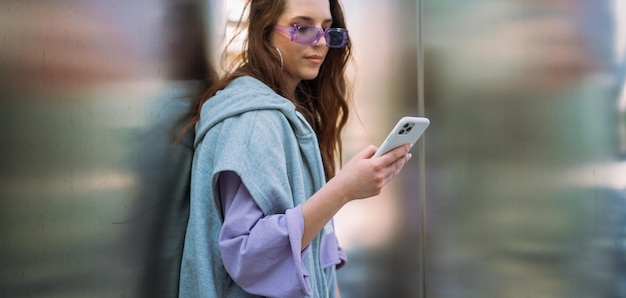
column 336, row 38
column 305, row 34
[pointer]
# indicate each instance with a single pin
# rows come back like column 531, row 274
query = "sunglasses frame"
column 293, row 32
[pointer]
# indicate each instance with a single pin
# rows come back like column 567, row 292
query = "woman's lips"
column 315, row 59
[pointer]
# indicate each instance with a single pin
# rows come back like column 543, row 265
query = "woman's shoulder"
column 250, row 84
column 245, row 94
column 262, row 122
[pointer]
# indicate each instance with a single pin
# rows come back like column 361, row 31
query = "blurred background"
column 517, row 189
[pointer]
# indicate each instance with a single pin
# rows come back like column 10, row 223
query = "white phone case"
column 407, row 130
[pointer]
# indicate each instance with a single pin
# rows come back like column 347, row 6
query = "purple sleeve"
column 332, row 254
column 261, row 253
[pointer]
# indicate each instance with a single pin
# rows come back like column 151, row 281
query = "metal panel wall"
column 93, row 197
column 525, row 178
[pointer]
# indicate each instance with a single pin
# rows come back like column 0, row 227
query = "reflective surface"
column 526, row 181
column 525, row 174
column 92, row 194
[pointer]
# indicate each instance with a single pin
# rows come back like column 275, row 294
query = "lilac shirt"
column 263, row 254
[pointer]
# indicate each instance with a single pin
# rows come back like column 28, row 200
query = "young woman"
column 264, row 182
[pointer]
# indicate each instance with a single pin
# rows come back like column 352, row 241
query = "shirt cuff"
column 295, row 227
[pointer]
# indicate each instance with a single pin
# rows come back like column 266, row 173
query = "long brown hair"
column 324, row 101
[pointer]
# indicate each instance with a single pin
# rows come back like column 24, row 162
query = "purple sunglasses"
column 310, row 35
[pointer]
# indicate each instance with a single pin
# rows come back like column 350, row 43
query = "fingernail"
column 410, row 155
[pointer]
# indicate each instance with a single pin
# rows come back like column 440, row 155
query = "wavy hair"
column 324, row 101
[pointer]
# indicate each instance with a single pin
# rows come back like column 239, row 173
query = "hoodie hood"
column 245, row 94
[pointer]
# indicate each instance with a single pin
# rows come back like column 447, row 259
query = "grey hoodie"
column 249, row 129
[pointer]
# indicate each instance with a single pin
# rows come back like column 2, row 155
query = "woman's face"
column 302, row 62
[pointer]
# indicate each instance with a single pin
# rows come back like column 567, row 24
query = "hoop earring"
column 281, row 57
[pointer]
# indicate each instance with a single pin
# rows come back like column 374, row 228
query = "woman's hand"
column 363, row 177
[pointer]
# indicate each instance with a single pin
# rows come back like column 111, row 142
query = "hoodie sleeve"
column 262, row 254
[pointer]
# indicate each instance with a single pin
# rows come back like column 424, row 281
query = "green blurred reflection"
column 522, row 197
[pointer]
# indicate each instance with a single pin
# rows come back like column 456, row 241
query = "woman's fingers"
column 394, row 155
column 367, row 152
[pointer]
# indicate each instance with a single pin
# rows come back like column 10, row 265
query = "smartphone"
column 407, row 130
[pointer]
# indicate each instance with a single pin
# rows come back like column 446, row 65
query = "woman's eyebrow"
column 310, row 20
